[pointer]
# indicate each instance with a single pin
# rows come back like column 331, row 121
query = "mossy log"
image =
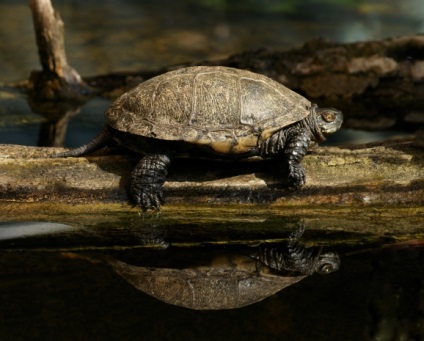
column 391, row 173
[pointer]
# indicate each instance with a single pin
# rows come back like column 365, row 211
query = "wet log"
column 377, row 84
column 391, row 173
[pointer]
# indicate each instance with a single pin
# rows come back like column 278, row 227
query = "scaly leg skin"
column 294, row 152
column 147, row 180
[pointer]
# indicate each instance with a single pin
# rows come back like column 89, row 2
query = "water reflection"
column 213, row 279
column 57, row 114
column 58, row 281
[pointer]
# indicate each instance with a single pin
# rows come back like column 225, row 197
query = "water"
column 57, row 280
column 61, row 281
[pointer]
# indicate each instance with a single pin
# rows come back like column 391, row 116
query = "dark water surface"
column 375, row 295
column 91, row 280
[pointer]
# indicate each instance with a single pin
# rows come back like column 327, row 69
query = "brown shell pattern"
column 218, row 106
column 204, row 289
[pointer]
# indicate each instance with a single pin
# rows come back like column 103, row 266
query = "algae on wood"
column 387, row 174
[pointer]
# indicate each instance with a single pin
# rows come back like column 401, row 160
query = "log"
column 387, row 174
column 377, row 84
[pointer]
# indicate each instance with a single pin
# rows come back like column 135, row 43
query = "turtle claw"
column 296, row 178
column 148, row 197
column 147, row 180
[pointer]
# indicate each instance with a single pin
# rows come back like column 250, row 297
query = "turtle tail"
column 100, row 141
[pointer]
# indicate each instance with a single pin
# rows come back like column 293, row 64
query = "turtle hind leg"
column 147, row 180
column 101, row 140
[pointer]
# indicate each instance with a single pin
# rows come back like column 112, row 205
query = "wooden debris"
column 57, row 80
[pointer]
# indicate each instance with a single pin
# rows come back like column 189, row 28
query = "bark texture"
column 387, row 174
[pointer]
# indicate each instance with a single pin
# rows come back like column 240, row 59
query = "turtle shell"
column 206, row 288
column 229, row 109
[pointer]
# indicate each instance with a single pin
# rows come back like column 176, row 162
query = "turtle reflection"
column 224, row 279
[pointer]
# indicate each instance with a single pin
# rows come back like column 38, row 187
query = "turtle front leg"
column 294, row 151
column 147, row 180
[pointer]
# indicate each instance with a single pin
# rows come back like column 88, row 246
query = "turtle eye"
column 325, row 269
column 328, row 116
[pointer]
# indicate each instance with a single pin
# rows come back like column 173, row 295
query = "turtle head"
column 326, row 263
column 328, row 120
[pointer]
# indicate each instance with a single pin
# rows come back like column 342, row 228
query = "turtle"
column 224, row 280
column 214, row 112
